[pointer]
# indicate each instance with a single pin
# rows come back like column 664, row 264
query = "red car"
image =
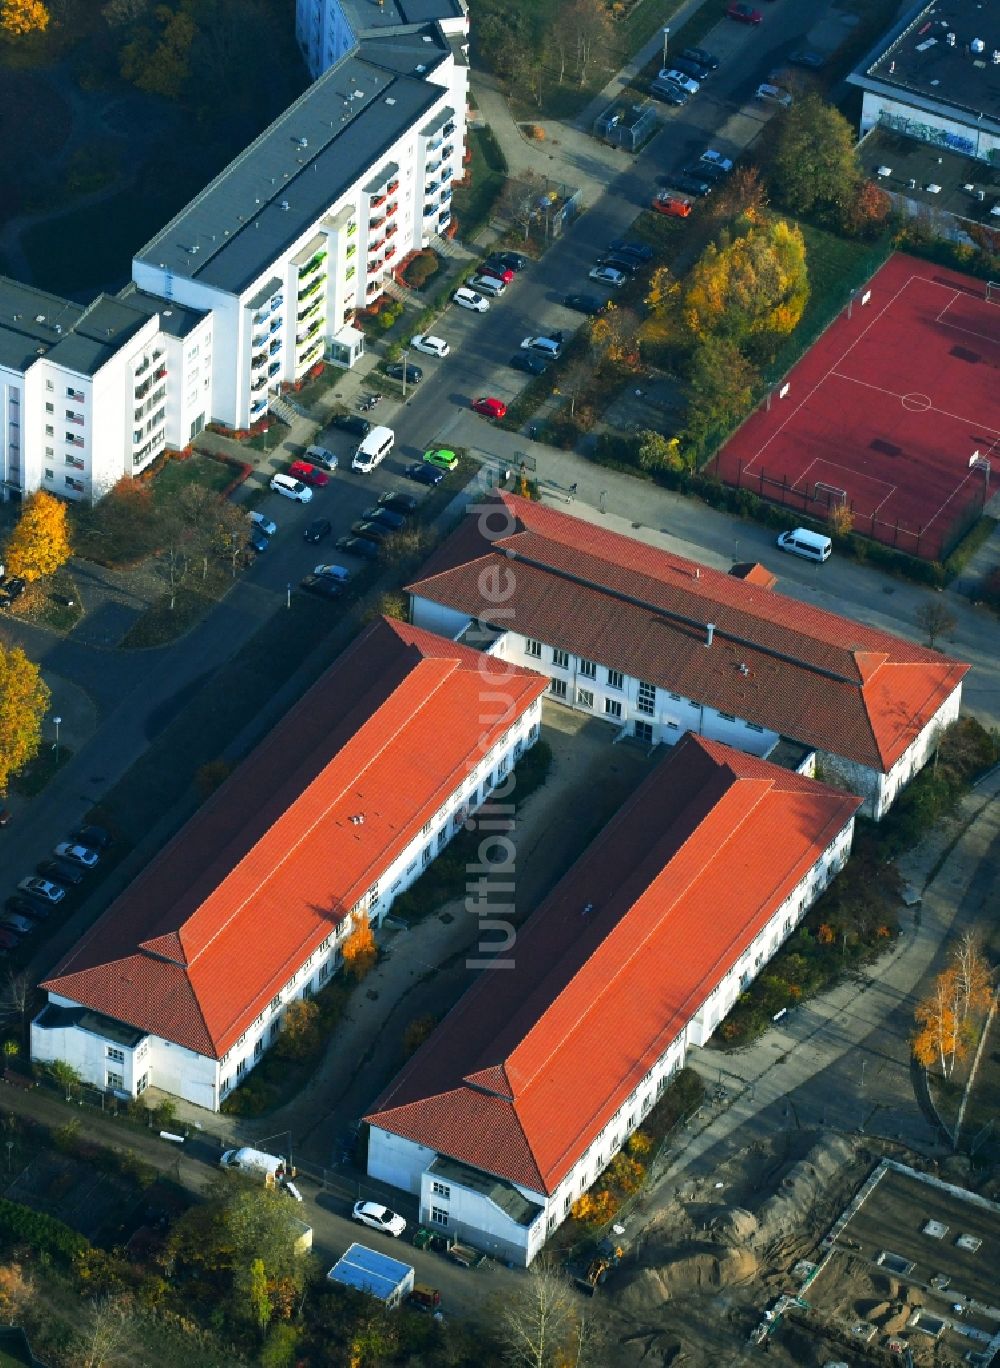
column 490, row 408
column 498, row 273
column 671, row 206
column 744, row 14
column 308, row 474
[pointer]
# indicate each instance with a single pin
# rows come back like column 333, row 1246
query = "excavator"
column 607, row 1256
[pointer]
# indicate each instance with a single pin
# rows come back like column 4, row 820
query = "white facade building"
column 536, row 1079
column 339, row 810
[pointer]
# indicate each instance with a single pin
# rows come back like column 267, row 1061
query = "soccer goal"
column 831, row 495
column 993, row 292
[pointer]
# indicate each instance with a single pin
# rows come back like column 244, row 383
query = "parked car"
column 423, row 474
column 384, row 517
column 809, row 58
column 492, row 266
column 268, row 527
column 291, row 489
column 42, row 889
column 772, row 94
column 584, row 303
column 692, row 68
column 371, row 531
column 692, row 183
column 514, row 261
column 351, row 422
column 399, row 502
column 61, row 871
column 317, row 530
column 529, row 362
column 11, row 590
column 340, row 573
column 396, row 370
column 703, row 57
column 25, row 907
column 544, row 345
column 321, row 586
column 257, row 540
column 489, row 407
column 429, row 344
column 469, row 299
column 308, row 474
column 671, row 205
column 607, row 275
column 77, row 854
column 669, row 93
column 442, row 457
column 487, row 285
column 378, row 1217
column 357, row 546
column 678, row 78
column 715, row 161
column 743, row 13
column 11, row 921
column 626, row 247
column 627, row 265
column 319, row 456
column 96, row 837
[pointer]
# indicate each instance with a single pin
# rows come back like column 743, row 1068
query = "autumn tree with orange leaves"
column 755, row 285
column 40, row 542
column 360, row 951
column 21, row 17
column 945, row 1026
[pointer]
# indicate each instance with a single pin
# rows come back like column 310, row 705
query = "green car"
column 444, row 459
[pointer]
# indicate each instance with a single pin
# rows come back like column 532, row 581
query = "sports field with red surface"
column 887, row 407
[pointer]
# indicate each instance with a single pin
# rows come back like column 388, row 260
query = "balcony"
column 308, row 313
column 378, row 201
column 392, row 229
column 275, row 325
column 273, row 369
column 350, row 251
column 448, row 152
column 434, row 166
column 160, row 373
column 352, row 228
column 374, row 223
column 258, row 339
column 313, row 264
column 376, row 268
column 444, row 221
column 433, row 146
column 390, row 252
column 275, row 347
column 392, row 209
column 429, row 209
column 392, row 187
column 433, row 188
column 257, row 360
column 277, row 302
column 448, row 129
column 376, row 246
column 141, row 370
column 259, row 382
column 310, row 290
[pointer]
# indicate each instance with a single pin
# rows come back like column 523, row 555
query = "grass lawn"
column 35, row 775
column 193, row 599
column 197, row 469
column 473, row 203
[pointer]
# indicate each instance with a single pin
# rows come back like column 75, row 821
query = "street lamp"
column 406, row 358
column 55, row 746
column 666, row 35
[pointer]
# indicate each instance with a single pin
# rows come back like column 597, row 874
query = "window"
column 142, row 1084
column 50, row 408
column 427, row 856
column 241, row 1068
column 673, row 726
column 258, row 1049
column 49, row 430
column 616, row 680
column 276, row 1003
column 426, row 828
column 49, row 386
column 49, row 475
column 612, row 707
column 532, row 648
column 646, row 700
column 588, row 669
column 503, row 764
column 752, row 726
column 726, row 717
column 560, row 659
column 675, row 697
column 441, row 1190
column 442, row 838
column 373, row 895
column 643, row 731
column 115, row 1080
column 439, row 1216
column 557, row 688
column 585, row 698
column 116, row 1056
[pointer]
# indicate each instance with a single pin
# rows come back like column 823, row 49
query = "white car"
column 379, row 1217
column 42, row 889
column 77, row 854
column 291, row 489
column 265, row 524
column 334, row 572
column 772, row 94
column 429, row 344
column 687, row 83
column 545, row 346
column 716, row 160
column 469, row 299
column 607, row 275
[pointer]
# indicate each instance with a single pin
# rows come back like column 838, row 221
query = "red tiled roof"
column 752, row 572
column 198, row 945
column 535, row 1060
column 819, row 678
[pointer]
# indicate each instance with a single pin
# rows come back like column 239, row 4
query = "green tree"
column 24, row 699
column 258, row 1300
column 66, row 1076
column 40, row 542
column 299, row 1029
column 156, row 60
column 755, row 285
column 721, row 385
column 812, row 161
column 658, row 452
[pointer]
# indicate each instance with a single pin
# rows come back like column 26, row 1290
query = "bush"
column 420, row 270
column 43, row 1234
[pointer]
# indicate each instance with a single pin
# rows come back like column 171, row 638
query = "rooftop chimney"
column 710, row 633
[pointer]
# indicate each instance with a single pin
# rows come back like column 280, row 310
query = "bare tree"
column 935, row 619
column 589, row 27
column 519, row 201
column 543, row 1324
column 16, row 995
column 107, row 1338
column 973, row 976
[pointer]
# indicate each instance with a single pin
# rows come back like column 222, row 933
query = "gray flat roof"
column 403, row 50
column 501, row 1193
column 365, row 18
column 177, row 320
column 28, row 322
column 917, row 63
column 54, row 1017
column 926, row 164
column 277, row 188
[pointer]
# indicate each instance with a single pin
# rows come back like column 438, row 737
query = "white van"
column 253, row 1161
column 373, row 449
column 802, row 542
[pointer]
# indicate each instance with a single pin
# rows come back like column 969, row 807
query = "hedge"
column 43, row 1233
